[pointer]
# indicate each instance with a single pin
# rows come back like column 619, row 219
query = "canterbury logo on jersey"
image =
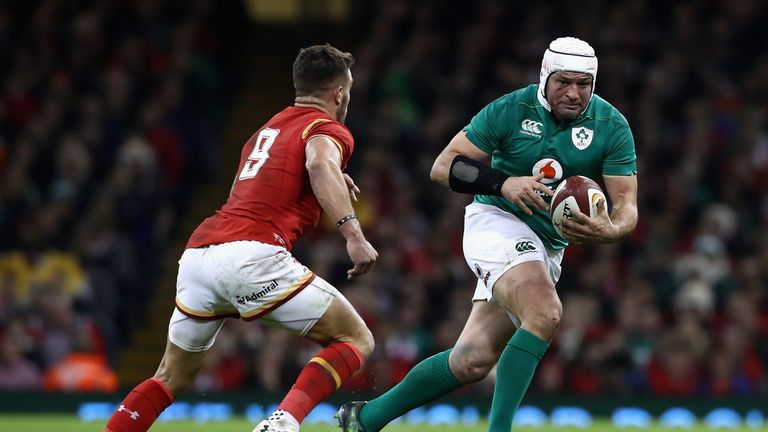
column 525, row 246
column 531, row 127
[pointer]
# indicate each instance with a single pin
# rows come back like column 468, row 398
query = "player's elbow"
column 439, row 172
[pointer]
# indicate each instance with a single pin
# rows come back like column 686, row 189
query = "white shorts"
column 248, row 280
column 495, row 241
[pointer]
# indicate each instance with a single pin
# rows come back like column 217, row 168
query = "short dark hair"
column 318, row 67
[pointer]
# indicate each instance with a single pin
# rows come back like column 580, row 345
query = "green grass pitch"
column 60, row 423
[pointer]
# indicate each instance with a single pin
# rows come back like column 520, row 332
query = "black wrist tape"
column 470, row 176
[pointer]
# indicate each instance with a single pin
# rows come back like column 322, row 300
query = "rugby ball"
column 576, row 192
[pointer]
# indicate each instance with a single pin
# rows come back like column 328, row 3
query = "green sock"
column 516, row 365
column 426, row 382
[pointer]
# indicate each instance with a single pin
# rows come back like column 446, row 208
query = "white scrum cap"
column 568, row 54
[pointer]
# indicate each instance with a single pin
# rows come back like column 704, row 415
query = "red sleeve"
column 339, row 134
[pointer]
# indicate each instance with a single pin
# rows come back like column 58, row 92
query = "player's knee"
column 470, row 364
column 544, row 320
column 363, row 341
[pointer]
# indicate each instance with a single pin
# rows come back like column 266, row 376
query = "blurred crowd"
column 106, row 125
column 677, row 308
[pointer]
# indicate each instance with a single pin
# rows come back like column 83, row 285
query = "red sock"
column 141, row 407
column 320, row 377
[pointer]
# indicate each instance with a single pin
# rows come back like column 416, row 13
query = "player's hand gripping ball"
column 575, row 192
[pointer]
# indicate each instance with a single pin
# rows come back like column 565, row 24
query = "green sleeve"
column 621, row 159
column 488, row 127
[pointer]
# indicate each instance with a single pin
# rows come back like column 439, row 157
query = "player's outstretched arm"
column 464, row 168
column 332, row 192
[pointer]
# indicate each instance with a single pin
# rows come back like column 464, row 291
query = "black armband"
column 470, row 176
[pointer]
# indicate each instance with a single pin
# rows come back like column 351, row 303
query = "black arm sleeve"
column 470, row 176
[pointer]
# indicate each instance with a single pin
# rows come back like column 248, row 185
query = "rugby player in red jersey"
column 238, row 262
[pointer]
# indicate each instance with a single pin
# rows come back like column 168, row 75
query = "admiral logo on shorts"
column 526, row 246
column 531, row 127
column 257, row 295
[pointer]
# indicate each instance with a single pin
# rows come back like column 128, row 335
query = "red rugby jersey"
column 272, row 199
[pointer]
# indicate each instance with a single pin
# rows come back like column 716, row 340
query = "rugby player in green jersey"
column 511, row 156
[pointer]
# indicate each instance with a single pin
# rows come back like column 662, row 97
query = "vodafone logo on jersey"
column 551, row 169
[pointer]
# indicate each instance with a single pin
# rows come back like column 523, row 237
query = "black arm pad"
column 470, row 176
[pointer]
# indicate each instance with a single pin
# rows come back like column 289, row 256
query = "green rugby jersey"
column 524, row 139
